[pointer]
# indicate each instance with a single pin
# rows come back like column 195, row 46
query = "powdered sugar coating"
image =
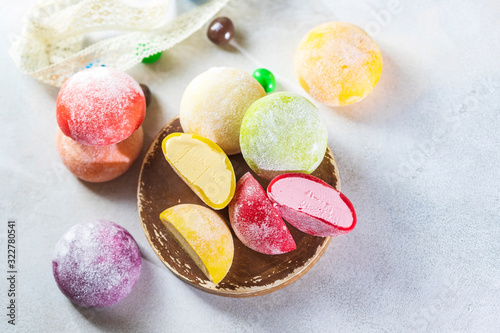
column 338, row 63
column 100, row 106
column 214, row 103
column 282, row 133
column 99, row 163
column 96, row 264
column 255, row 221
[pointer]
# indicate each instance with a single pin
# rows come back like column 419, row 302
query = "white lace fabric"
column 51, row 48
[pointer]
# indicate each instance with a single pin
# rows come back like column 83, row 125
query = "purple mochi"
column 96, row 264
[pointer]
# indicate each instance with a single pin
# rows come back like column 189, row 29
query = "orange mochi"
column 99, row 163
column 338, row 63
column 204, row 236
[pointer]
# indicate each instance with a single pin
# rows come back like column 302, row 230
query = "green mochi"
column 283, row 133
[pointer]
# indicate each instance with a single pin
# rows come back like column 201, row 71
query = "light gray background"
column 418, row 158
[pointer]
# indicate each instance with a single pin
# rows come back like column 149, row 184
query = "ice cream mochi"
column 100, row 106
column 99, row 163
column 215, row 102
column 256, row 222
column 283, row 133
column 203, row 166
column 96, row 264
column 204, row 236
column 311, row 205
column 338, row 63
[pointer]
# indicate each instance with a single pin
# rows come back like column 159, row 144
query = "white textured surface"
column 418, row 158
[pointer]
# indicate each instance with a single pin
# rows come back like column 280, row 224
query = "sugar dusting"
column 256, row 222
column 335, row 63
column 100, row 106
column 214, row 103
column 99, row 163
column 283, row 132
column 96, row 264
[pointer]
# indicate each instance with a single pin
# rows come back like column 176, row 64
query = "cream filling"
column 186, row 247
column 201, row 166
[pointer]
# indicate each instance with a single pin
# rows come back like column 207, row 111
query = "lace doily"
column 51, row 48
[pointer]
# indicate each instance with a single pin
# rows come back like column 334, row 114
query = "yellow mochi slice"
column 204, row 236
column 203, row 166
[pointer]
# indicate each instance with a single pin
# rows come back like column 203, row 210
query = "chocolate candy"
column 220, row 31
column 266, row 79
column 147, row 93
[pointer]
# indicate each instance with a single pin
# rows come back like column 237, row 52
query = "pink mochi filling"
column 311, row 205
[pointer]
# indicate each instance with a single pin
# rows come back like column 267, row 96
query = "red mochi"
column 311, row 205
column 255, row 221
column 100, row 106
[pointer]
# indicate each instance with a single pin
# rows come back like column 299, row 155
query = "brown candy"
column 147, row 93
column 220, row 31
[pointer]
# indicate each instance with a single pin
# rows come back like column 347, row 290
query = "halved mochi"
column 311, row 205
column 255, row 221
column 204, row 236
column 203, row 166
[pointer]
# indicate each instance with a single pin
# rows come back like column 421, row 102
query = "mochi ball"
column 96, row 264
column 100, row 106
column 283, row 133
column 214, row 104
column 338, row 63
column 97, row 164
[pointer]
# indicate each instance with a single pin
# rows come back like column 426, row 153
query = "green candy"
column 152, row 58
column 283, row 133
column 266, row 79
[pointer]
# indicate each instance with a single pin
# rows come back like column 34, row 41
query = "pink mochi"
column 311, row 205
column 255, row 221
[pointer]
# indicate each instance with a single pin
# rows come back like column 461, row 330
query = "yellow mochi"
column 338, row 63
column 215, row 102
column 204, row 236
column 203, row 166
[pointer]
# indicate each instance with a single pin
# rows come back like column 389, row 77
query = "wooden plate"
column 251, row 273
